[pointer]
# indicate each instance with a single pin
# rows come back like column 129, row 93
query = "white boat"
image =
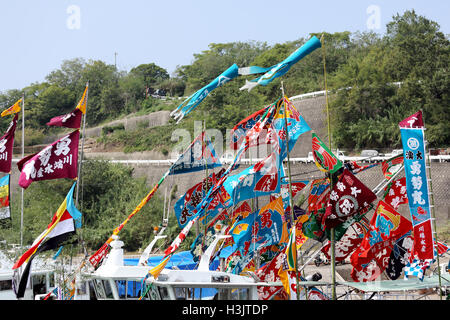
column 115, row 281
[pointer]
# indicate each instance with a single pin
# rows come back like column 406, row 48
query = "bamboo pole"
column 291, row 202
column 433, row 214
column 332, row 233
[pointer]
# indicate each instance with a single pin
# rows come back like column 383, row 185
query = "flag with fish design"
column 372, row 256
column 390, row 166
column 282, row 67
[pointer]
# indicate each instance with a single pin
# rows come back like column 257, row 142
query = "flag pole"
column 82, row 146
column 332, row 233
column 80, row 164
column 291, row 203
column 433, row 214
column 23, row 152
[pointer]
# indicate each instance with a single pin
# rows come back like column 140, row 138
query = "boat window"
column 128, row 289
column 51, row 277
column 38, row 283
column 184, row 293
column 108, row 289
column 164, row 293
column 240, row 294
column 99, row 290
column 5, row 285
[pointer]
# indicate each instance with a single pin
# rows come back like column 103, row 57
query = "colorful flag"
column 60, row 229
column 281, row 68
column 400, row 256
column 395, row 194
column 58, row 160
column 185, row 206
column 199, row 155
column 413, row 141
column 6, row 146
column 270, row 273
column 192, row 101
column 260, row 229
column 348, row 243
column 356, row 168
column 325, row 160
column 296, row 126
column 390, row 166
column 5, row 211
column 263, row 178
column 82, row 104
column 348, row 197
column 15, row 108
column 240, row 130
column 417, row 268
column 156, row 270
column 291, row 250
column 372, row 256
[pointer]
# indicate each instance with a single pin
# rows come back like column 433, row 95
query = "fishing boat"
column 115, row 280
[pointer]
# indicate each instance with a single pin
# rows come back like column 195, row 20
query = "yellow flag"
column 155, row 271
column 83, row 101
column 13, row 109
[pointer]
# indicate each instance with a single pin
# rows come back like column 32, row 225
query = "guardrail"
column 438, row 158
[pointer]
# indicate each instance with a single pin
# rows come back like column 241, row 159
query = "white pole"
column 82, row 147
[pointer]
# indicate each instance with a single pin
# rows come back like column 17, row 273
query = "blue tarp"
column 182, row 260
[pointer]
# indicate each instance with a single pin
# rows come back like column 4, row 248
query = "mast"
column 23, row 151
column 80, row 162
column 433, row 214
column 332, row 234
column 291, row 202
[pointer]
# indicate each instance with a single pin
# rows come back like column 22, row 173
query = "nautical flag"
column 6, row 146
column 62, row 226
column 281, row 68
column 180, row 238
column 156, row 270
column 263, row 178
column 356, row 168
column 15, row 108
column 185, row 206
column 400, row 256
column 417, row 268
column 199, row 155
column 192, row 101
column 296, row 126
column 347, row 243
column 372, row 256
column 296, row 187
column 348, row 197
column 396, row 193
column 70, row 120
column 260, row 229
column 82, row 104
column 291, row 251
column 240, row 130
column 413, row 141
column 58, row 160
column 269, row 273
column 390, row 166
column 325, row 160
column 5, row 211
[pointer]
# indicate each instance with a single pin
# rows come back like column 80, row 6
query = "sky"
column 38, row 35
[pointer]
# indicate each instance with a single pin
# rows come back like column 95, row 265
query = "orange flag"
column 15, row 108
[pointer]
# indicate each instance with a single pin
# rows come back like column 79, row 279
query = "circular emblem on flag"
column 413, row 143
column 346, row 205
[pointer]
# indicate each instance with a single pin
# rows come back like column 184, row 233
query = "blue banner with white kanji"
column 417, row 190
